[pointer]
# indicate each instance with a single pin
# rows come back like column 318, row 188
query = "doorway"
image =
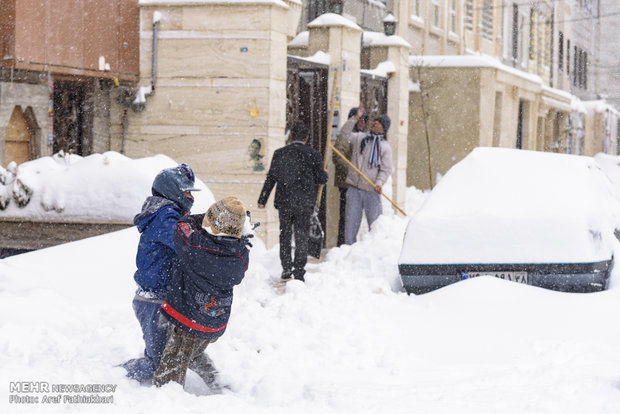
column 17, row 139
column 72, row 117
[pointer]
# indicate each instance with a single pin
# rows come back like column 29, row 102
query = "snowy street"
column 346, row 341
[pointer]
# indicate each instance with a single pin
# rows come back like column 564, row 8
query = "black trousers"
column 342, row 217
column 294, row 221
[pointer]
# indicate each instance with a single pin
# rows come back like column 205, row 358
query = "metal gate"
column 72, row 117
column 373, row 94
column 306, row 101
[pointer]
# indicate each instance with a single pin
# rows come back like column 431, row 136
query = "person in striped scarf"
column 372, row 155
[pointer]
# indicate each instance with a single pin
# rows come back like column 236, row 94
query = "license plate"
column 519, row 277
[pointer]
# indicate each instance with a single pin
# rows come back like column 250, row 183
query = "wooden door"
column 17, row 138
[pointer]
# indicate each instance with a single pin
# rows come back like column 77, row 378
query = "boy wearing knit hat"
column 213, row 258
column 372, row 155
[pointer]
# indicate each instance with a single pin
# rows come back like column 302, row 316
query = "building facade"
column 56, row 81
column 217, row 84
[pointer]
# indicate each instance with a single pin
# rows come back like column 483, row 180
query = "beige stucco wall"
column 468, row 107
column 221, row 78
column 450, row 100
column 598, row 130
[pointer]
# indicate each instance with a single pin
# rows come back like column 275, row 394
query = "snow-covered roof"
column 371, row 39
column 577, row 105
column 599, row 106
column 557, row 93
column 390, row 19
column 301, row 40
column 332, row 19
column 319, row 57
column 470, row 61
column 383, row 69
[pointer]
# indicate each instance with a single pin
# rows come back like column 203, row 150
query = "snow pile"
column 503, row 205
column 343, row 342
column 99, row 187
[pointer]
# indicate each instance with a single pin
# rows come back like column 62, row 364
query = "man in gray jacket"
column 372, row 155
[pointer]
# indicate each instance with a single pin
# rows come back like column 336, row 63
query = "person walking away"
column 296, row 171
column 372, row 154
column 213, row 258
column 171, row 199
column 340, row 175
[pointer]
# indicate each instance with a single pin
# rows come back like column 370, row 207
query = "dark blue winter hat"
column 385, row 121
column 172, row 183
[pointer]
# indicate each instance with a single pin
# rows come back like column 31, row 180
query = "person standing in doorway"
column 372, row 154
column 297, row 169
column 342, row 168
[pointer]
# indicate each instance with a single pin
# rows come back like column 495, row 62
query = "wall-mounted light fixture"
column 389, row 25
column 336, row 6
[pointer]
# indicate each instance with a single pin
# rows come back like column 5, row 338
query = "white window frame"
column 469, row 15
column 487, row 22
column 453, row 23
column 436, row 13
column 415, row 8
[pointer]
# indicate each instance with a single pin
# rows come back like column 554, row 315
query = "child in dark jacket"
column 213, row 258
column 171, row 199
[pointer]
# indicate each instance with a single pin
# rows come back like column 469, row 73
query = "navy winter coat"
column 202, row 284
column 156, row 253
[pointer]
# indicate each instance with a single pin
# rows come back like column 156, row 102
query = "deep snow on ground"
column 346, row 341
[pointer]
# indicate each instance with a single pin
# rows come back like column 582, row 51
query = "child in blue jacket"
column 171, row 200
column 213, row 258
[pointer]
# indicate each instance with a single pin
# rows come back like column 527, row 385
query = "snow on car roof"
column 501, row 205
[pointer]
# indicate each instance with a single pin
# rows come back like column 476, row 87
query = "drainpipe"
column 124, row 123
column 156, row 18
column 139, row 102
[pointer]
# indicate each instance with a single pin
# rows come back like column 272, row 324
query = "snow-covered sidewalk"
column 346, row 341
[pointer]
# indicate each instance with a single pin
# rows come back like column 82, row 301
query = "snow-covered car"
column 538, row 218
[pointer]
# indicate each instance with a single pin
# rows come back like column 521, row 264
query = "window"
column 585, row 70
column 469, row 15
column 453, row 16
column 436, row 13
column 561, row 52
column 532, row 51
column 415, row 7
column 567, row 57
column 575, row 65
column 487, row 19
column 580, row 70
column 547, row 45
column 515, row 33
